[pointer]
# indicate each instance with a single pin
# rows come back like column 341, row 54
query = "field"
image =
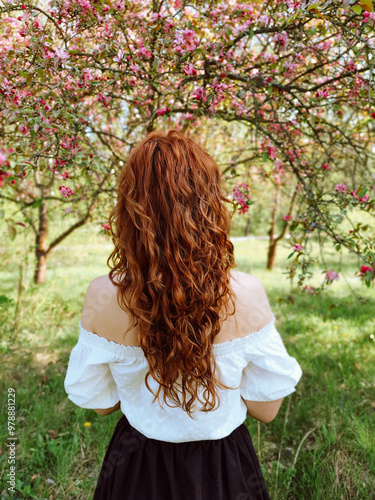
column 320, row 446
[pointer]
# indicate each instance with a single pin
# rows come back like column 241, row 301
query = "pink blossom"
column 367, row 16
column 145, row 52
column 341, row 188
column 62, row 54
column 364, row 269
column 134, row 67
column 65, row 191
column 309, row 290
column 287, row 217
column 272, row 152
column 163, row 111
column 244, row 208
column 331, row 275
column 65, row 143
column 282, row 40
column 198, row 93
column 190, row 70
column 264, row 20
column 326, row 166
column 322, row 93
column 357, row 197
column 106, row 229
column 24, row 129
column 67, row 209
column 120, row 56
column 297, row 247
column 241, row 194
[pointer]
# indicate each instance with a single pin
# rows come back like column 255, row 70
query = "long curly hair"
column 172, row 262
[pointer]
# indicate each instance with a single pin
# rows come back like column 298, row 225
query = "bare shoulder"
column 253, row 308
column 100, row 302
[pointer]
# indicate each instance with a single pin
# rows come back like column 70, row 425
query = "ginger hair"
column 172, row 260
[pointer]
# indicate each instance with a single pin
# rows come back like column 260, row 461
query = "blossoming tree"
column 82, row 81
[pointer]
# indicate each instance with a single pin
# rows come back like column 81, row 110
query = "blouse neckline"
column 220, row 348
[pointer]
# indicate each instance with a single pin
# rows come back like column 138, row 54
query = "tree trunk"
column 272, row 240
column 248, row 225
column 41, row 244
column 271, row 254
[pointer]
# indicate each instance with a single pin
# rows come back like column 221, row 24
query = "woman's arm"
column 263, row 411
column 107, row 411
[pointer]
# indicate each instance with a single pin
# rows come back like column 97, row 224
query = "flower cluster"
column 190, row 70
column 331, row 275
column 310, row 290
column 163, row 111
column 106, row 229
column 65, row 191
column 341, row 188
column 241, row 194
column 367, row 273
column 357, row 197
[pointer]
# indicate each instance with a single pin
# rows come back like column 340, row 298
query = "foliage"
column 81, row 82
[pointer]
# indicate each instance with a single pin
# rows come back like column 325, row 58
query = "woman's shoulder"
column 252, row 305
column 101, row 312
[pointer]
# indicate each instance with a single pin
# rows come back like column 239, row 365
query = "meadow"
column 321, row 444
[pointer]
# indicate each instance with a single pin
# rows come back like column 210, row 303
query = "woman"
column 183, row 345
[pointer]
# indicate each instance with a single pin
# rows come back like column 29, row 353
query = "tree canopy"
column 81, row 82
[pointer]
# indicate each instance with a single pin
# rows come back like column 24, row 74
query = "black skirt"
column 138, row 468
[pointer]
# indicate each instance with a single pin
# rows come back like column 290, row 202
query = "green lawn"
column 320, row 446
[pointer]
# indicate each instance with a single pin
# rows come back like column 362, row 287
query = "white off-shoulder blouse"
column 101, row 373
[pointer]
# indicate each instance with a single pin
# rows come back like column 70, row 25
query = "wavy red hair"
column 172, row 262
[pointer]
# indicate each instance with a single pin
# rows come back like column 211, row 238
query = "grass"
column 320, row 446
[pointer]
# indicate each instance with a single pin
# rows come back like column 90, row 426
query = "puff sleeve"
column 270, row 373
column 89, row 382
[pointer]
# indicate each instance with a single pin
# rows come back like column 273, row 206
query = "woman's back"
column 249, row 355
column 102, row 314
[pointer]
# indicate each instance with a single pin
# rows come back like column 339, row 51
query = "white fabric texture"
column 101, row 373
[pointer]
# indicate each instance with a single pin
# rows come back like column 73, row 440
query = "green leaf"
column 313, row 30
column 362, row 193
column 188, row 24
column 41, row 74
column 367, row 5
column 290, row 255
column 228, row 32
column 265, row 156
column 313, row 6
column 12, row 231
column 29, row 78
column 25, row 74
column 357, row 9
column 291, row 19
column 251, row 33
